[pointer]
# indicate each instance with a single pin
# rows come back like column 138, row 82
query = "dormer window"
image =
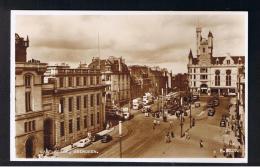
column 228, row 61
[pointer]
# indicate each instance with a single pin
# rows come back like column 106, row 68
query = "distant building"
column 78, row 107
column 29, row 109
column 140, row 81
column 161, row 79
column 181, row 82
column 210, row 74
column 149, row 79
column 116, row 76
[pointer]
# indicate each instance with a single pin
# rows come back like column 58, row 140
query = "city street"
column 141, row 140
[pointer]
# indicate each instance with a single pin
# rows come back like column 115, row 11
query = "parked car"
column 197, row 104
column 211, row 111
column 210, row 104
column 178, row 113
column 126, row 115
column 195, row 97
column 82, row 143
column 95, row 137
column 216, row 102
column 106, row 138
column 222, row 123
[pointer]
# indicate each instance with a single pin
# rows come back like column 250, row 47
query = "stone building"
column 149, row 79
column 116, row 76
column 77, row 104
column 54, row 105
column 211, row 74
column 161, row 79
column 29, row 109
column 140, row 81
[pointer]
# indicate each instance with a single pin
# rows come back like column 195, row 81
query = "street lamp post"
column 181, row 115
column 190, row 110
column 120, row 138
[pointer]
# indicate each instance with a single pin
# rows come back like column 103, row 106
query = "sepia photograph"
column 129, row 86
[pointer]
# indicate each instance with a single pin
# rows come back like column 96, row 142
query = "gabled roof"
column 113, row 64
column 221, row 59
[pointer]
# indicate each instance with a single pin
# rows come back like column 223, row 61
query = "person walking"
column 185, row 134
column 166, row 139
column 154, row 122
column 201, row 143
column 171, row 124
column 214, row 153
column 193, row 122
column 172, row 134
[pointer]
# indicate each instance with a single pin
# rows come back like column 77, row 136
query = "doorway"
column 204, row 89
column 48, row 134
column 29, row 147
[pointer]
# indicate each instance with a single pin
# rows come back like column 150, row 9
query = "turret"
column 210, row 43
column 21, row 46
column 198, row 37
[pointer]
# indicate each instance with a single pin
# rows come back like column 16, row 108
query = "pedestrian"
column 171, row 124
column 185, row 134
column 214, row 153
column 193, row 122
column 166, row 139
column 169, row 138
column 201, row 143
column 172, row 134
column 225, row 150
column 154, row 122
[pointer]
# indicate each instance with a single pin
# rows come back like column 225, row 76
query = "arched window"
column 27, row 80
column 217, row 61
column 217, row 78
column 228, row 78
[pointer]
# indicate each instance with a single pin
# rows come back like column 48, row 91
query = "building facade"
column 210, row 74
column 116, row 76
column 161, row 80
column 140, row 81
column 29, row 110
column 78, row 108
column 54, row 105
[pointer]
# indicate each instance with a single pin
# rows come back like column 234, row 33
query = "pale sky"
column 153, row 40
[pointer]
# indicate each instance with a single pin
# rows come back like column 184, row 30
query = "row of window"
column 29, row 126
column 202, row 70
column 217, row 80
column 80, row 81
column 78, row 124
column 78, row 102
column 122, row 77
column 205, row 70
